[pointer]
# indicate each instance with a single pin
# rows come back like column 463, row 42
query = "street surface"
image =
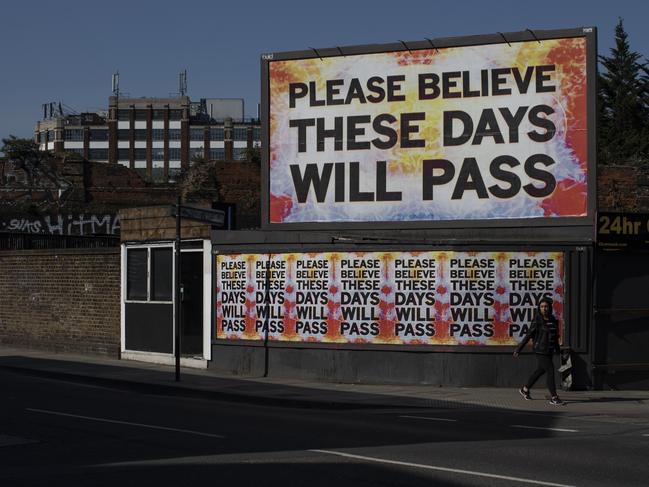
column 54, row 432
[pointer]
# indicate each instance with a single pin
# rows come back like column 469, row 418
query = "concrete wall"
column 61, row 300
column 379, row 366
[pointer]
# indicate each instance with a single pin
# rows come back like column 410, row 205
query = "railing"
column 31, row 241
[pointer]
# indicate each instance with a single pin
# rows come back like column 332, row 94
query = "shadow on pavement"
column 206, row 386
column 70, row 446
column 282, row 473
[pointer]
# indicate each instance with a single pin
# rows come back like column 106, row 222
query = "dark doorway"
column 622, row 334
column 191, row 275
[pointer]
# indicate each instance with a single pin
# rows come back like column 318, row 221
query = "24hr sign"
column 481, row 132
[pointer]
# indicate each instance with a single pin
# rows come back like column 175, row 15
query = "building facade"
column 156, row 136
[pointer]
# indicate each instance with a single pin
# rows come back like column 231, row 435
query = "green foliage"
column 252, row 154
column 200, row 181
column 23, row 151
column 623, row 105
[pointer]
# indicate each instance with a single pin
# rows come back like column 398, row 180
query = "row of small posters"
column 395, row 298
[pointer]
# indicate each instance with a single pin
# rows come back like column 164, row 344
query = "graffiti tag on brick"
column 78, row 224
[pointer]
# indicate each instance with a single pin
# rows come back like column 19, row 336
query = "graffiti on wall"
column 68, row 224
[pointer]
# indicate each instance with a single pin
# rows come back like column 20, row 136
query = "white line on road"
column 103, row 420
column 564, row 430
column 441, row 469
column 429, row 418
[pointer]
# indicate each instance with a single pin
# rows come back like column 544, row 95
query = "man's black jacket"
column 544, row 335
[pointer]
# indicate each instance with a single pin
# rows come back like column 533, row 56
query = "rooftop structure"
column 156, row 136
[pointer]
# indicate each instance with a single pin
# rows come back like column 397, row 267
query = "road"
column 54, row 432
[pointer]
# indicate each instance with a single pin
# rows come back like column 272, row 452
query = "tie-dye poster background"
column 401, row 298
column 497, row 80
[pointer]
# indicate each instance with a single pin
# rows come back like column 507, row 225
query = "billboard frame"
column 571, row 331
column 588, row 33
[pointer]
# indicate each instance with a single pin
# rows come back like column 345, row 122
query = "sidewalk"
column 615, row 406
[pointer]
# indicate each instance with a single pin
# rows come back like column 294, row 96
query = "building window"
column 158, row 175
column 175, row 114
column 158, row 134
column 174, row 153
column 239, row 154
column 159, row 114
column 158, row 154
column 123, row 154
column 123, row 134
column 98, row 134
column 216, row 133
column 217, row 154
column 140, row 154
column 124, row 115
column 42, row 137
column 73, row 134
column 174, row 173
column 140, row 134
column 195, row 153
column 161, row 274
column 240, row 133
column 174, row 134
column 256, row 133
column 141, row 114
column 75, row 151
column 149, row 274
column 196, row 134
column 98, row 154
column 50, row 136
column 136, row 274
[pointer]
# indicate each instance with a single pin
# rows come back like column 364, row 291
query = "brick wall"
column 100, row 188
column 154, row 223
column 623, row 188
column 241, row 184
column 61, row 300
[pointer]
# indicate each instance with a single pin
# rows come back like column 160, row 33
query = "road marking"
column 429, row 418
column 104, row 420
column 564, row 430
column 6, row 440
column 441, row 469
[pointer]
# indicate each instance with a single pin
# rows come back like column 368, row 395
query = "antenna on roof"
column 182, row 83
column 115, row 83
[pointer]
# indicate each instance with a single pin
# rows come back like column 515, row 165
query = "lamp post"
column 178, row 295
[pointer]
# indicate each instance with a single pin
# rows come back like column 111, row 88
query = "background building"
column 156, row 136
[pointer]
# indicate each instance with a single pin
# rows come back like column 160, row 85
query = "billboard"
column 385, row 298
column 484, row 131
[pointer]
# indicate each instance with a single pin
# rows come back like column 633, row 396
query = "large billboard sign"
column 385, row 298
column 479, row 129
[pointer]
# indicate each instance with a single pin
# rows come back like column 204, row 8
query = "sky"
column 68, row 50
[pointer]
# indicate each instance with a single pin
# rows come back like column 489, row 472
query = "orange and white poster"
column 400, row 298
column 483, row 132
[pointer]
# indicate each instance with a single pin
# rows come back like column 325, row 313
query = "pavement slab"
column 608, row 406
